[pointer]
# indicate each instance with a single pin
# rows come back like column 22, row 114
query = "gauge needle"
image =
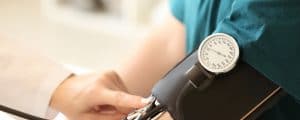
column 219, row 53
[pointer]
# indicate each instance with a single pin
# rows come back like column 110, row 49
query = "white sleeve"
column 27, row 79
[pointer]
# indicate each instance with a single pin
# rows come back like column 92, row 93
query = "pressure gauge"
column 218, row 53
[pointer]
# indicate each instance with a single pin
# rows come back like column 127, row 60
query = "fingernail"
column 147, row 100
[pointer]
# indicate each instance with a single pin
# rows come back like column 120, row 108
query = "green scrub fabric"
column 267, row 32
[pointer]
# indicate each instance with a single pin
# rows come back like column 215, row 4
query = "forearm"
column 159, row 52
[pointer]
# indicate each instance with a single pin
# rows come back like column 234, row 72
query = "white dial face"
column 218, row 53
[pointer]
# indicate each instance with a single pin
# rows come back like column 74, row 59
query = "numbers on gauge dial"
column 217, row 53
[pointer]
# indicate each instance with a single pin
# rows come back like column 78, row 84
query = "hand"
column 95, row 97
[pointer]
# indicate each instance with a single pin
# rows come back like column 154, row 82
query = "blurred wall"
column 73, row 36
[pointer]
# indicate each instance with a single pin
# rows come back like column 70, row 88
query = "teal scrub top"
column 267, row 31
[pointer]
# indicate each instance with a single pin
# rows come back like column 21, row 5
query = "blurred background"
column 88, row 34
column 91, row 34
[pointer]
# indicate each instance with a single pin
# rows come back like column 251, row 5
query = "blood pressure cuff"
column 267, row 32
column 229, row 97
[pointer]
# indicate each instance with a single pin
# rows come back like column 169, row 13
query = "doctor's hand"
column 95, row 97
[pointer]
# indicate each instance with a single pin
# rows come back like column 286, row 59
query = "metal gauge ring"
column 218, row 53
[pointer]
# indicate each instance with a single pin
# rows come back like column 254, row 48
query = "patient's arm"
column 162, row 48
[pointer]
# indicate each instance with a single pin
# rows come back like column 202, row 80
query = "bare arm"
column 162, row 48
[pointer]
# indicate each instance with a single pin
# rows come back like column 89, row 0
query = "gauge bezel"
column 231, row 65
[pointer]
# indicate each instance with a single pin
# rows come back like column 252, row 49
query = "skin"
column 105, row 96
column 161, row 49
column 95, row 97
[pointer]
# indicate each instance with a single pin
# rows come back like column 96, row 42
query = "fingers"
column 122, row 99
column 124, row 110
column 108, row 109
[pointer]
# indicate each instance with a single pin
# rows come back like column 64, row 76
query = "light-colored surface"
column 5, row 116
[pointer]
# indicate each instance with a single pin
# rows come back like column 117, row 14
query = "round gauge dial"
column 218, row 53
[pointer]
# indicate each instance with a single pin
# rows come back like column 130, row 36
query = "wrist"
column 57, row 95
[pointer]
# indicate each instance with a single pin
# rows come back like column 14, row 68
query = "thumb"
column 122, row 99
